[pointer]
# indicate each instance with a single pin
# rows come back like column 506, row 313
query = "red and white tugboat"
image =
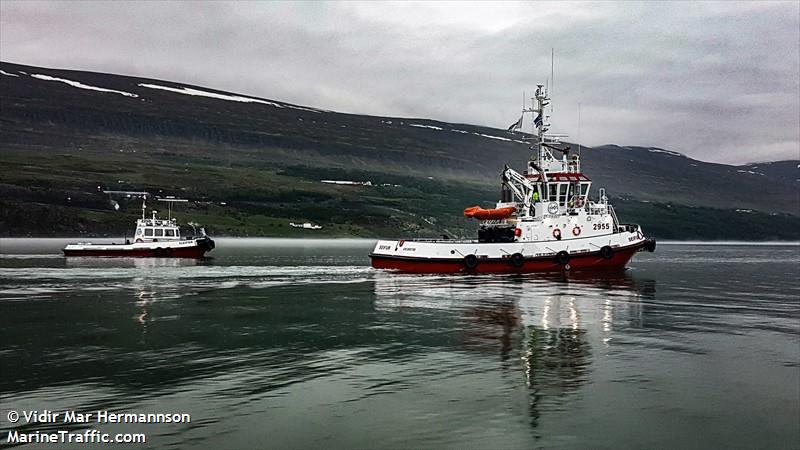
column 544, row 222
column 154, row 237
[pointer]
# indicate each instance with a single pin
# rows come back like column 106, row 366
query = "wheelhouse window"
column 552, row 194
column 562, row 193
column 148, row 232
column 169, row 232
column 159, row 232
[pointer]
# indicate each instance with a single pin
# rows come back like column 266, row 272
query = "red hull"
column 586, row 261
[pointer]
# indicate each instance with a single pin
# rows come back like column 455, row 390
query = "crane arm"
column 522, row 188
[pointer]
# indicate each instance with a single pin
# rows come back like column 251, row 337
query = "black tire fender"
column 470, row 262
column 517, row 260
column 562, row 257
column 651, row 245
column 607, row 252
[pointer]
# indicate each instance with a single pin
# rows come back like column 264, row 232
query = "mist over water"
column 298, row 344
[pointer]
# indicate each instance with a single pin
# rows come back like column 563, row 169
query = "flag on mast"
column 516, row 125
column 538, row 121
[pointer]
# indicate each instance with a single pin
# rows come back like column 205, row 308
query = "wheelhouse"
column 569, row 190
column 154, row 230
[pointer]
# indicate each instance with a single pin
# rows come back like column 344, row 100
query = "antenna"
column 522, row 125
column 552, row 75
column 170, row 200
column 579, row 129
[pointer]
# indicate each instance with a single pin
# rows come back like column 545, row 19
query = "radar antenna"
column 170, row 200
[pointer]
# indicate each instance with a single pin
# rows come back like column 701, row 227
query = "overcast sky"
column 717, row 81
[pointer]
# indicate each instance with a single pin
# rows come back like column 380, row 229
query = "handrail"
column 454, row 241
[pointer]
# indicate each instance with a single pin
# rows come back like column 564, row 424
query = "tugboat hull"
column 196, row 248
column 445, row 257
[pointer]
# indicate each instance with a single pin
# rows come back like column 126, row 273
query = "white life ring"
column 576, row 231
column 557, row 233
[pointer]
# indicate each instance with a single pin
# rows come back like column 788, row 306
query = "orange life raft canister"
column 489, row 214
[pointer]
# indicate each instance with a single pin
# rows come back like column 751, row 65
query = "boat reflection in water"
column 147, row 286
column 546, row 329
column 123, row 263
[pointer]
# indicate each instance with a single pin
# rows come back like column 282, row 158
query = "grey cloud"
column 717, row 81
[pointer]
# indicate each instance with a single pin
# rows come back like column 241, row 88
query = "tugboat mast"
column 538, row 122
column 538, row 103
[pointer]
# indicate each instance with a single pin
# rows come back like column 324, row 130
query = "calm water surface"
column 300, row 344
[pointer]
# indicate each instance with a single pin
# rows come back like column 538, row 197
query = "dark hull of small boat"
column 201, row 247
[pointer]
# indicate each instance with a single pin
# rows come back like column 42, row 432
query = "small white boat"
column 154, row 237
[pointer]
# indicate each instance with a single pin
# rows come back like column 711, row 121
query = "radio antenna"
column 579, row 129
column 552, row 75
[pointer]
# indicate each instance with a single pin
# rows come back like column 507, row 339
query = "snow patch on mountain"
column 670, row 153
column 80, row 85
column 488, row 136
column 230, row 98
column 432, row 127
column 492, row 137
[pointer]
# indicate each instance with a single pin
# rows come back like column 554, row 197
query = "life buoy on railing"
column 557, row 233
column 576, row 231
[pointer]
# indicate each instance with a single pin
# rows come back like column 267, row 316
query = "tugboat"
column 154, row 238
column 544, row 222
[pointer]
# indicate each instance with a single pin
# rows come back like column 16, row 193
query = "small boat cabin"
column 154, row 230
